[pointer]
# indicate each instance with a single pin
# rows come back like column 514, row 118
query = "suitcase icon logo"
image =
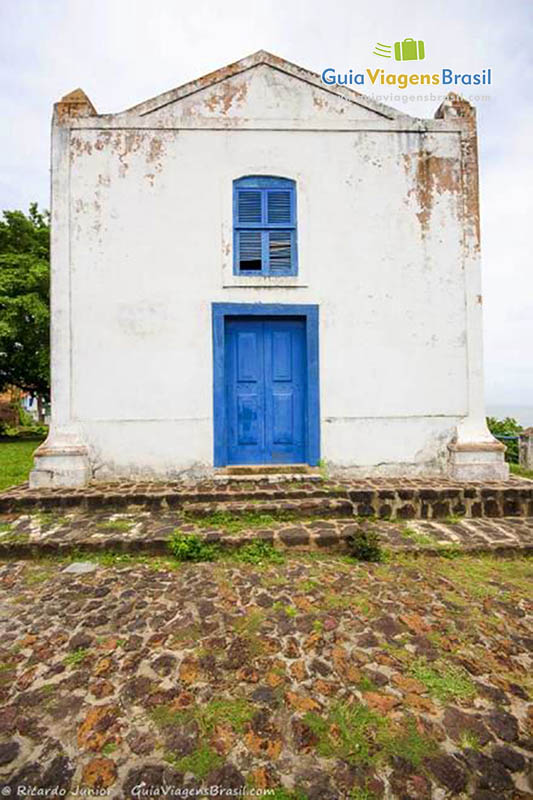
column 409, row 50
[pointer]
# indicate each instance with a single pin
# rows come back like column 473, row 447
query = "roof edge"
column 256, row 59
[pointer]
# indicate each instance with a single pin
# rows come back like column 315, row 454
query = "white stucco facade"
column 388, row 249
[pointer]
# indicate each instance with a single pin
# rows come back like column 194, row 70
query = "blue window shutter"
column 280, row 252
column 249, row 251
column 279, row 207
column 249, row 207
column 264, row 218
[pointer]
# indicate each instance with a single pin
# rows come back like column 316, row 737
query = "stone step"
column 138, row 532
column 323, row 507
column 259, row 470
column 267, row 477
column 392, row 499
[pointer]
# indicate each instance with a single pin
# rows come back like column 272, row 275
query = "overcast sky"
column 123, row 51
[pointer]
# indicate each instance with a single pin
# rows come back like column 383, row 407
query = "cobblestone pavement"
column 49, row 532
column 314, row 677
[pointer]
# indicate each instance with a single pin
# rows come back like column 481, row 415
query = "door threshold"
column 268, row 472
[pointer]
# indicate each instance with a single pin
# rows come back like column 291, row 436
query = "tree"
column 25, row 302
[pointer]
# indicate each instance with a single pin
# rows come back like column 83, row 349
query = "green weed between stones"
column 290, row 611
column 469, row 741
column 200, row 762
column 444, row 681
column 236, row 713
column 49, row 518
column 231, row 523
column 116, row 525
column 219, row 711
column 364, row 545
column 415, row 536
column 15, row 537
column 75, row 657
column 522, row 472
column 362, row 794
column 366, row 684
column 189, row 547
column 358, row 735
column 259, row 552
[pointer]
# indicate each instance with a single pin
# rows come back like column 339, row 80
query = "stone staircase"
column 400, row 499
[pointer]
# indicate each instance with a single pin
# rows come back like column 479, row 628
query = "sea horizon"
column 523, row 414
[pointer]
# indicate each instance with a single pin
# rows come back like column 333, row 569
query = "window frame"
column 265, row 184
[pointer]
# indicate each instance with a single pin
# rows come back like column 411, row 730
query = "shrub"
column 506, row 427
column 189, row 547
column 364, row 545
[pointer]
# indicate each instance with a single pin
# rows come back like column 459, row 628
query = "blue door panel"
column 247, row 356
column 248, row 419
column 282, row 418
column 281, row 356
column 266, row 390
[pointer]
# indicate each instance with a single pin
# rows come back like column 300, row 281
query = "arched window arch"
column 264, row 226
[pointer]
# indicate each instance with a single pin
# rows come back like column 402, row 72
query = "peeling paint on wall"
column 433, row 176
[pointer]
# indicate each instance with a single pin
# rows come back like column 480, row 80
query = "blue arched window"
column 264, row 226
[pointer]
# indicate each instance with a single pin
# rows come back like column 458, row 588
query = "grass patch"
column 469, row 741
column 116, row 525
column 289, row 611
column 220, row 711
column 259, row 552
column 448, row 550
column 421, row 539
column 49, row 518
column 38, row 575
column 200, row 762
column 522, row 472
column 362, row 794
column 16, row 461
column 230, row 523
column 190, row 547
column 250, row 623
column 366, row 684
column 359, row 735
column 14, row 536
column 364, row 545
column 76, row 657
column 444, row 681
column 236, row 713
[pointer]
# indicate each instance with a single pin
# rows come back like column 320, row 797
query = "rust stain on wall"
column 123, row 144
column 433, row 176
column 456, row 107
column 228, row 94
column 155, row 150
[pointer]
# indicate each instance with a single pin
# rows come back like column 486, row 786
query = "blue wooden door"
column 265, row 390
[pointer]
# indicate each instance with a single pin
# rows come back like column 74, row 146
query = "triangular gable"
column 262, row 86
